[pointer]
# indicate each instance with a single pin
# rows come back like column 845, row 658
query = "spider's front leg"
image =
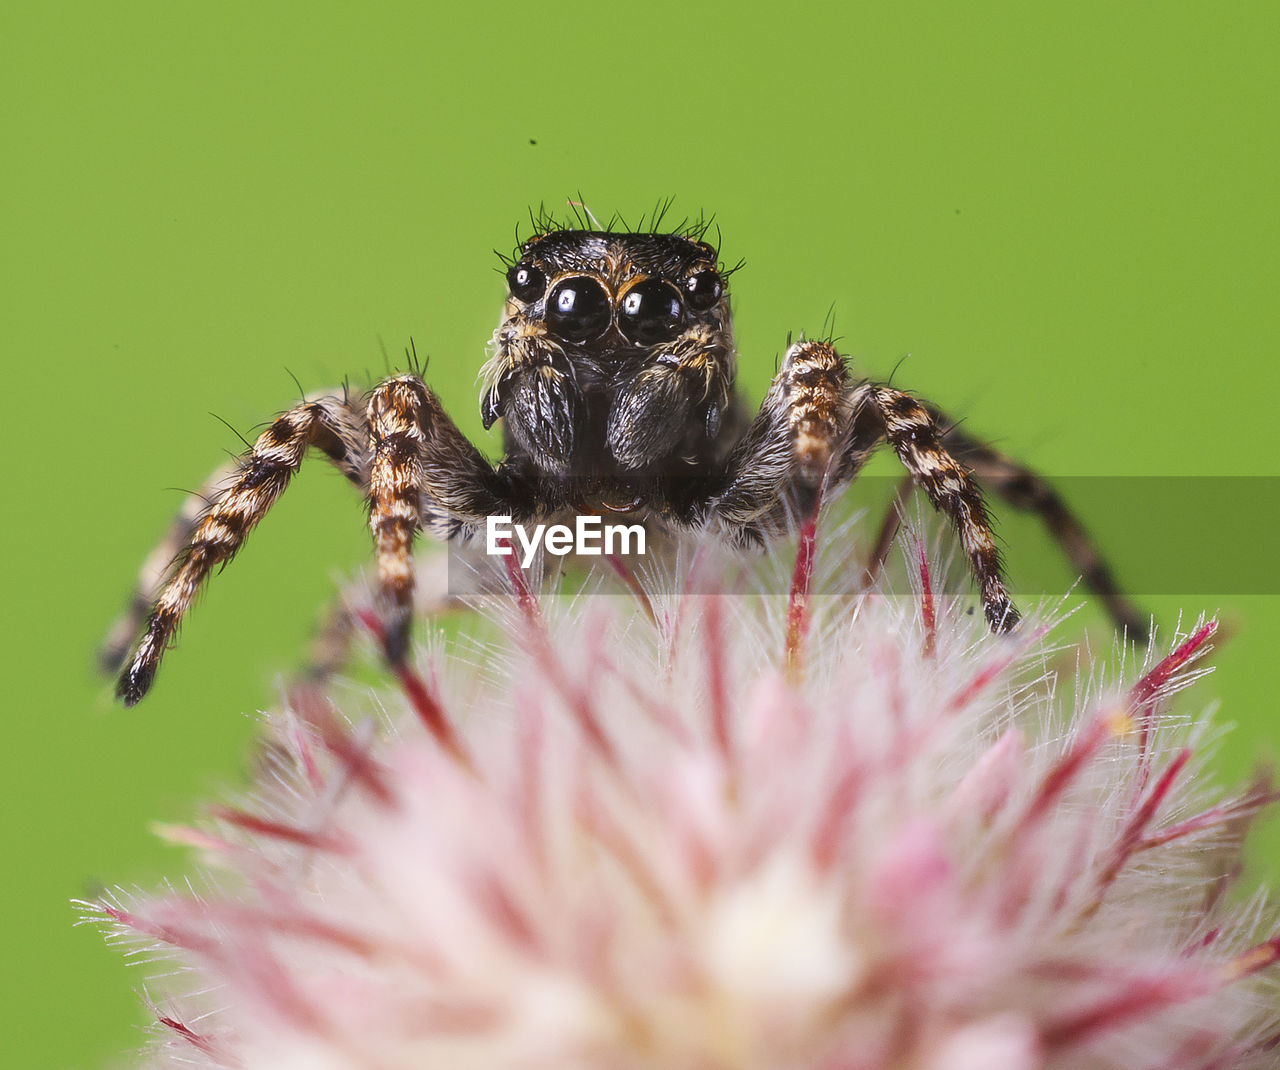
column 328, row 423
column 776, row 471
column 881, row 413
column 425, row 473
column 812, row 428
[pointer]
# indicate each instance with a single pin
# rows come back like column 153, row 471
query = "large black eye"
column 578, row 310
column 703, row 290
column 651, row 312
column 526, row 282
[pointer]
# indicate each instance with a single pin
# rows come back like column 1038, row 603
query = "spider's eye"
column 651, row 312
column 578, row 310
column 526, row 282
column 703, row 290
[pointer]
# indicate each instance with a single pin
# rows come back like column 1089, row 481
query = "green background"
column 1066, row 215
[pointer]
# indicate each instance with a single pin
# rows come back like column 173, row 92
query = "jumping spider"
column 612, row 371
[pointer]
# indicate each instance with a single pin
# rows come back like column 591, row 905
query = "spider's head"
column 605, row 293
column 612, row 345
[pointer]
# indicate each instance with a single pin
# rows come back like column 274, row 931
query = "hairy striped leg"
column 881, row 413
column 424, row 472
column 331, row 424
column 124, row 629
column 775, row 473
column 1026, row 490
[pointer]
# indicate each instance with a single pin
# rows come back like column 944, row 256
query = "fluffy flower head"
column 725, row 831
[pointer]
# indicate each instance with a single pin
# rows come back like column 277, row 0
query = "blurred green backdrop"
column 1066, row 214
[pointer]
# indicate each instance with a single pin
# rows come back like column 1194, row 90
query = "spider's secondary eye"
column 578, row 310
column 703, row 289
column 526, row 282
column 651, row 312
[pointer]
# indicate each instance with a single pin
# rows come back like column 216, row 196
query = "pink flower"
column 811, row 832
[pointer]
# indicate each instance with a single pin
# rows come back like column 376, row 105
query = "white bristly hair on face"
column 769, row 830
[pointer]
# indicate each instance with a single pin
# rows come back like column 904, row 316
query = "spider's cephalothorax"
column 614, row 359
column 612, row 372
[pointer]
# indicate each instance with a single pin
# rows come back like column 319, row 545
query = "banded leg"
column 125, row 628
column 882, row 413
column 1026, row 490
column 329, row 423
column 425, row 472
column 776, row 472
